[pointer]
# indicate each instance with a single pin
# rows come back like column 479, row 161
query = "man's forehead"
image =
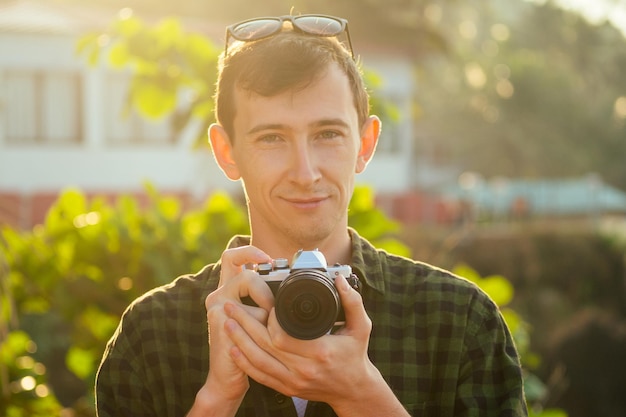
column 327, row 98
column 331, row 73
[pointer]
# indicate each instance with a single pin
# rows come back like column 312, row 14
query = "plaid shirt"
column 438, row 340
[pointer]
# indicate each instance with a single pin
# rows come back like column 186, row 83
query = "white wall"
column 96, row 165
column 391, row 171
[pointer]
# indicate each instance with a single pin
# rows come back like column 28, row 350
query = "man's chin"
column 307, row 235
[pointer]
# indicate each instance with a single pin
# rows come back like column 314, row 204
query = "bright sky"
column 598, row 10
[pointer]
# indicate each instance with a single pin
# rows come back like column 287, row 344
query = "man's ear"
column 223, row 151
column 369, row 138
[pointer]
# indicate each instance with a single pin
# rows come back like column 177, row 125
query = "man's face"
column 297, row 154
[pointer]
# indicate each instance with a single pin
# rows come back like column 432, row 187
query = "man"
column 293, row 127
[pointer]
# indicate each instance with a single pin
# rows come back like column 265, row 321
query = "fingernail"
column 342, row 284
column 235, row 352
column 228, row 308
column 230, row 326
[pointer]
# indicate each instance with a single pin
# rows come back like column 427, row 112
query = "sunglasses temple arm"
column 349, row 41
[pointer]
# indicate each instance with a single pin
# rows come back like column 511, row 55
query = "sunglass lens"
column 256, row 29
column 318, row 25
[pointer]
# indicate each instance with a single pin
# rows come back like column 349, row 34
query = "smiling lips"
column 306, row 203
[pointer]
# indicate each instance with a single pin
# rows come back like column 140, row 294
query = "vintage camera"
column 307, row 303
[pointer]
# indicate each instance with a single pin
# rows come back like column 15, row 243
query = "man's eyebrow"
column 263, row 127
column 330, row 122
column 279, row 126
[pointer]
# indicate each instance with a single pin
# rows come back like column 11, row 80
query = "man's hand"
column 226, row 382
column 333, row 368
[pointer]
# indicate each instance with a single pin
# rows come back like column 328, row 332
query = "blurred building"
column 515, row 199
column 62, row 121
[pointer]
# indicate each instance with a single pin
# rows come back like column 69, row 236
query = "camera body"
column 306, row 300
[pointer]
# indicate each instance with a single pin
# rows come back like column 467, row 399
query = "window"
column 125, row 125
column 42, row 107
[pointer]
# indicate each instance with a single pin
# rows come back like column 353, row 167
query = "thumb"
column 357, row 320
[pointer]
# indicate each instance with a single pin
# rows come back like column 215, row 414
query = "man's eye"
column 329, row 134
column 269, row 139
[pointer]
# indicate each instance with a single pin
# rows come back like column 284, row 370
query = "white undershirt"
column 300, row 405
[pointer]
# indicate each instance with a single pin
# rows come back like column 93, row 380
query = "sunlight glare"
column 475, row 75
column 468, row 30
column 620, row 108
column 28, row 383
column 500, row 32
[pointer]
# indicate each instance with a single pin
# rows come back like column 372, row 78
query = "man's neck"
column 336, row 249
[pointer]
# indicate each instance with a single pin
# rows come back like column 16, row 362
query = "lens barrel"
column 307, row 304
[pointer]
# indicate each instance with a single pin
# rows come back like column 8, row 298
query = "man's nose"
column 304, row 165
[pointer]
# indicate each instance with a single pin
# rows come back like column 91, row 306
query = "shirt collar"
column 366, row 262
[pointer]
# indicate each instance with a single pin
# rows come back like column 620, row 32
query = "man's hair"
column 286, row 61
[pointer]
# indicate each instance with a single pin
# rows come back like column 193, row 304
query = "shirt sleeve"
column 490, row 381
column 120, row 391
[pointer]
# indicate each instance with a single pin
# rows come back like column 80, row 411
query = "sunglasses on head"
column 264, row 27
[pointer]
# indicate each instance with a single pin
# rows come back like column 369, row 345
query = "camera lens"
column 307, row 304
column 306, row 307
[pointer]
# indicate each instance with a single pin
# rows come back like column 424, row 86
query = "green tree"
column 527, row 90
column 167, row 62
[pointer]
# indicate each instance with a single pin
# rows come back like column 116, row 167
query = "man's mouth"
column 306, row 203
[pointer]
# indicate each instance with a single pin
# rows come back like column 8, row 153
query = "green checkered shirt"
column 438, row 340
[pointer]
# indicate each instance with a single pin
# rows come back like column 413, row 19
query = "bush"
column 66, row 282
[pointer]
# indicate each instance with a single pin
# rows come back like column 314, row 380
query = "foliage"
column 532, row 90
column 372, row 223
column 167, row 63
column 521, row 84
column 68, row 280
column 25, row 392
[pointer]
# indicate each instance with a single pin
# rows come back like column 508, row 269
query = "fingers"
column 233, row 260
column 252, row 350
column 292, row 366
column 237, row 282
column 357, row 320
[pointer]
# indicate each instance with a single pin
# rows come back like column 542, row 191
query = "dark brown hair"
column 286, row 61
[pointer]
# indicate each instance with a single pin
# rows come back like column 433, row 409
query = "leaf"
column 512, row 320
column 152, row 100
column 393, row 246
column 61, row 215
column 362, row 199
column 14, row 345
column 467, row 272
column 169, row 208
column 219, row 202
column 88, row 45
column 127, row 27
column 551, row 412
column 498, row 288
column 99, row 323
column 119, row 56
column 65, row 251
column 168, row 32
column 534, row 388
column 80, row 361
